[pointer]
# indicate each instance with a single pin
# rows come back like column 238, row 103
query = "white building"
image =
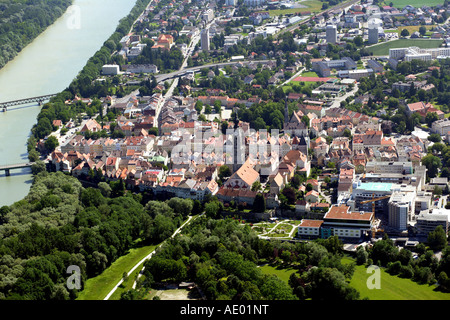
column 205, row 42
column 110, row 69
column 441, row 126
column 141, row 68
column 400, row 207
column 208, row 15
column 331, row 34
column 417, row 53
column 309, row 228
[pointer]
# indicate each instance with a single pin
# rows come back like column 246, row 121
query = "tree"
column 256, row 186
column 361, row 255
column 404, row 33
column 358, row 41
column 51, row 143
column 330, row 284
column 432, row 163
column 213, row 209
column 422, row 30
column 224, row 171
column 33, row 155
column 38, row 166
column 430, row 118
column 437, row 239
column 259, row 204
column 435, row 137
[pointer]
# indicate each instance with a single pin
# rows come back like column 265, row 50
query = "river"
column 48, row 65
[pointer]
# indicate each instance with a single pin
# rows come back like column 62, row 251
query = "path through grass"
column 98, row 287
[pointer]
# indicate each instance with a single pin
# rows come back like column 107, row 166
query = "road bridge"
column 39, row 99
column 8, row 167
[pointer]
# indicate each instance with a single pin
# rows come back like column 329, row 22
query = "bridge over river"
column 8, row 167
column 39, row 99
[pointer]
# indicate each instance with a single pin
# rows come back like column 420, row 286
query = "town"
column 333, row 116
column 329, row 165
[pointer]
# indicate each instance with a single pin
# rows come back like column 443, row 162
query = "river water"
column 48, row 65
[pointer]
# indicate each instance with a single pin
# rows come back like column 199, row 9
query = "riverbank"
column 42, row 68
column 22, row 22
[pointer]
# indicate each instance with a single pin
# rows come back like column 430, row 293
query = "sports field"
column 382, row 49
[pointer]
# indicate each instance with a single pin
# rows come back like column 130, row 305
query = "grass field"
column 393, row 287
column 410, row 29
column 383, row 48
column 414, row 3
column 98, row 287
column 310, row 5
column 282, row 273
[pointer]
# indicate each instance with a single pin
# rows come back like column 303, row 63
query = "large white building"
column 400, row 207
column 340, row 221
column 331, row 34
column 205, row 44
column 110, row 69
column 417, row 53
column 208, row 15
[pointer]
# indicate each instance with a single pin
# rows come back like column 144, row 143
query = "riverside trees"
column 60, row 223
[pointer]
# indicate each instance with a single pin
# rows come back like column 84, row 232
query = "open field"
column 98, row 287
column 410, row 29
column 393, row 287
column 310, row 5
column 415, row 3
column 383, row 48
column 281, row 272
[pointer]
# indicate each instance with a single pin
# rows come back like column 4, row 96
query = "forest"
column 61, row 223
column 23, row 20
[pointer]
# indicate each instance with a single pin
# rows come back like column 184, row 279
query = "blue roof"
column 376, row 186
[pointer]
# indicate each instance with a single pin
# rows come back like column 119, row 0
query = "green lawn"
column 282, row 272
column 411, row 29
column 383, row 48
column 98, row 287
column 393, row 287
column 414, row 3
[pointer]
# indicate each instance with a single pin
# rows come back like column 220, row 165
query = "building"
column 230, row 3
column 372, row 190
column 340, row 221
column 205, row 44
column 208, row 15
column 416, row 53
column 309, row 229
column 331, row 34
column 426, row 222
column 404, row 168
column 441, row 126
column 324, row 67
column 110, row 70
column 140, row 68
column 373, row 35
column 400, row 206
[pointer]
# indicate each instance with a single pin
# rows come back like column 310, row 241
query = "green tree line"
column 22, row 21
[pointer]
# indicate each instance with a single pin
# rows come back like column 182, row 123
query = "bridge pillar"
column 7, row 172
